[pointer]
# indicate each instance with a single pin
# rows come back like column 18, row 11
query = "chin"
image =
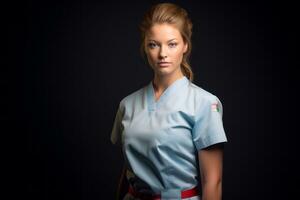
column 164, row 72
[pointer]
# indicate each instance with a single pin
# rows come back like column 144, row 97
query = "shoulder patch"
column 215, row 107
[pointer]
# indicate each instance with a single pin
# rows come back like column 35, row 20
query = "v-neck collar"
column 152, row 104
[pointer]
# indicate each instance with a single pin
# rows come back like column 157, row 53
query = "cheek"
column 152, row 55
column 177, row 55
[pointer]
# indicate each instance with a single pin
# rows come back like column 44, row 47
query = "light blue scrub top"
column 160, row 139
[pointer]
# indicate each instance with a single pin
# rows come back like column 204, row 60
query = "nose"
column 162, row 53
column 162, row 57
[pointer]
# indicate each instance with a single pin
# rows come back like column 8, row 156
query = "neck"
column 160, row 83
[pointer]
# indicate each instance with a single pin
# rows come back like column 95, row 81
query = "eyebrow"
column 168, row 40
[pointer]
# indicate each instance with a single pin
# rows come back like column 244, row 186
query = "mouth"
column 163, row 64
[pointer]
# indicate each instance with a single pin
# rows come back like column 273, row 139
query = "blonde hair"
column 172, row 14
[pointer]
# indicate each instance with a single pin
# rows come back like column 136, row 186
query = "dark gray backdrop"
column 78, row 59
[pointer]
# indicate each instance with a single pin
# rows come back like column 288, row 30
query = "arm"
column 122, row 185
column 210, row 164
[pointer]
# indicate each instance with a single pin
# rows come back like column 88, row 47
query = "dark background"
column 76, row 60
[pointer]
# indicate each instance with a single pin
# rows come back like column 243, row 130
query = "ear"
column 185, row 48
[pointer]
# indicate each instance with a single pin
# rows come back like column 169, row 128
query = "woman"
column 171, row 130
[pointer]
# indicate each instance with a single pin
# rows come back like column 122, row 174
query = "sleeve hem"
column 208, row 142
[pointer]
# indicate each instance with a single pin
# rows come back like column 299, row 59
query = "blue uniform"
column 160, row 139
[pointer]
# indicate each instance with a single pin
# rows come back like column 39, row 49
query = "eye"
column 151, row 45
column 173, row 44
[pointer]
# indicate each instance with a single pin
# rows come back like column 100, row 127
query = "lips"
column 164, row 64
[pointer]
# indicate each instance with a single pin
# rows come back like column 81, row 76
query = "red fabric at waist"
column 184, row 194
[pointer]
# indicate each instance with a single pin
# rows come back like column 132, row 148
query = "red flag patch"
column 215, row 107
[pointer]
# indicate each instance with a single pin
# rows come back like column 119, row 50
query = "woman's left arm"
column 211, row 164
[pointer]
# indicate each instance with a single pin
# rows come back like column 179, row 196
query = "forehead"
column 163, row 32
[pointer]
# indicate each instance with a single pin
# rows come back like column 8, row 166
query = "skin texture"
column 158, row 47
column 210, row 165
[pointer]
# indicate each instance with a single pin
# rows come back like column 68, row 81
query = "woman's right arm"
column 122, row 185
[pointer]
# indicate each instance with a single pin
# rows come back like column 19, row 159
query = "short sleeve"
column 208, row 127
column 115, row 136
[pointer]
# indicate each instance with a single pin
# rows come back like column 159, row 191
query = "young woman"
column 171, row 130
